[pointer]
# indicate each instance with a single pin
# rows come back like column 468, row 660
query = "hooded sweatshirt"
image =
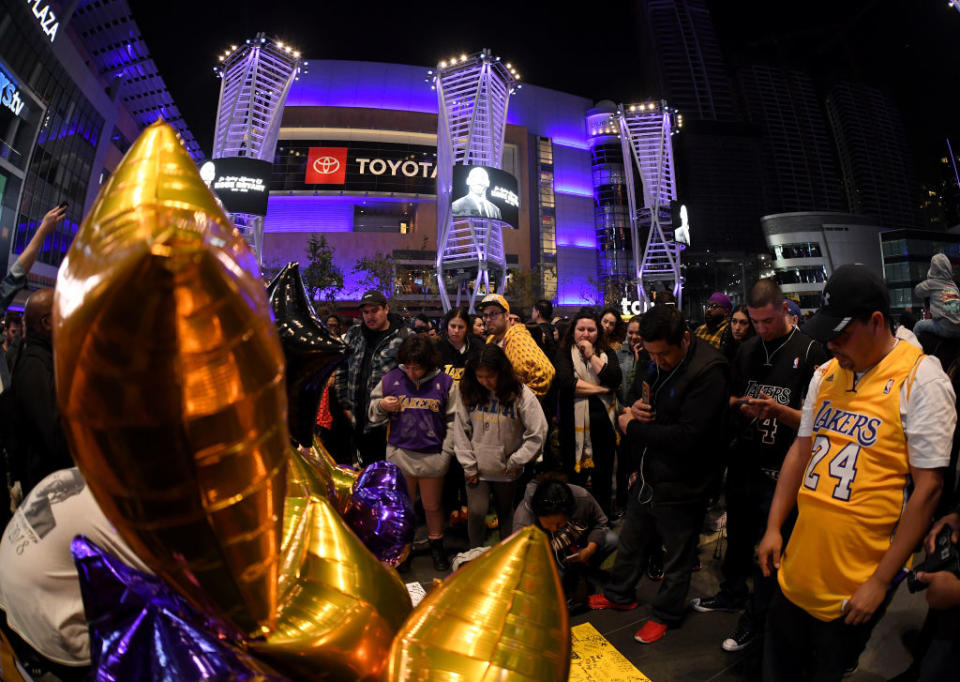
column 942, row 292
column 490, row 438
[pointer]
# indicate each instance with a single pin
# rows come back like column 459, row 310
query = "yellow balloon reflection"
column 170, row 382
column 501, row 617
column 339, row 606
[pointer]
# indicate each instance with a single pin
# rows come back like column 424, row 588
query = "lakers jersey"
column 854, row 487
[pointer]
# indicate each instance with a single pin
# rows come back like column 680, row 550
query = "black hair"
column 765, row 292
column 620, row 327
column 553, row 497
column 519, row 312
column 585, row 313
column 635, row 318
column 491, row 357
column 545, row 308
column 907, row 319
column 419, row 349
column 458, row 312
column 743, row 309
column 663, row 323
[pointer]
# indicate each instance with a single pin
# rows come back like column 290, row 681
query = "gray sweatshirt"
column 490, row 438
column 941, row 290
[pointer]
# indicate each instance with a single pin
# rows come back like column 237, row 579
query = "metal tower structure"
column 254, row 81
column 645, row 132
column 473, row 92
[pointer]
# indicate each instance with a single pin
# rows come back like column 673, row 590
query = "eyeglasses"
column 490, row 316
column 712, row 306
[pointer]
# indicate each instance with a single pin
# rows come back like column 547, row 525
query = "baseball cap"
column 853, row 291
column 497, row 300
column 373, row 297
column 793, row 308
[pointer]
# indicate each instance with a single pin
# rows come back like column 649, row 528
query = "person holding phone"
column 499, row 428
column 770, row 375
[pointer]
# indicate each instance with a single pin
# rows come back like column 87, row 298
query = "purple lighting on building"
column 363, row 85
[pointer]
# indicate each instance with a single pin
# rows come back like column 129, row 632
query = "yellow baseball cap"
column 497, row 300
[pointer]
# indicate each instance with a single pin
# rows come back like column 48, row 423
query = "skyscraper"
column 717, row 154
column 799, row 172
column 873, row 153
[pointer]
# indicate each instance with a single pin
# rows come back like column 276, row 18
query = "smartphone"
column 63, row 204
column 645, row 393
column 741, row 401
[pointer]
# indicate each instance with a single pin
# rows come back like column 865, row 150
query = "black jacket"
column 680, row 452
column 36, row 445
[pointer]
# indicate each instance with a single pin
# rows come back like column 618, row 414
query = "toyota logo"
column 326, row 165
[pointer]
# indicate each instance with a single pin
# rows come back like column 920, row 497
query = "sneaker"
column 655, row 567
column 741, row 638
column 651, row 632
column 599, row 601
column 721, row 601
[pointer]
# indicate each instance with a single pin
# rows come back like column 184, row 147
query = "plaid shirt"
column 383, row 358
column 715, row 339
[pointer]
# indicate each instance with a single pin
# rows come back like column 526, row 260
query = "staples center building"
column 356, row 162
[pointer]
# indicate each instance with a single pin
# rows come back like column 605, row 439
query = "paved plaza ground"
column 693, row 651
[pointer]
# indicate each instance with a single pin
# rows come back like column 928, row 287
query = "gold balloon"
column 501, row 617
column 342, row 478
column 339, row 606
column 170, row 382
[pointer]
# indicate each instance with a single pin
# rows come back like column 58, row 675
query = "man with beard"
column 716, row 327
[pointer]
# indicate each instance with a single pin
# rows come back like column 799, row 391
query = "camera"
column 945, row 557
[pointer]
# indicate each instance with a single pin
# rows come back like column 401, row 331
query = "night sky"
column 909, row 47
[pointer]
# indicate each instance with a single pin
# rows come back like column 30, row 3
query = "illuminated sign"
column 365, row 167
column 45, row 16
column 485, row 192
column 326, row 166
column 9, row 95
column 631, row 308
column 242, row 184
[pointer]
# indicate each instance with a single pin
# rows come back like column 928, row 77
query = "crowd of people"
column 617, row 436
column 828, row 443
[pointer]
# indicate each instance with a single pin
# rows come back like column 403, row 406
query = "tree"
column 523, row 288
column 379, row 272
column 321, row 277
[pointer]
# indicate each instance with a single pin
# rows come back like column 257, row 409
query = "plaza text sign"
column 45, row 16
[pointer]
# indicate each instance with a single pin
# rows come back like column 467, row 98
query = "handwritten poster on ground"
column 594, row 659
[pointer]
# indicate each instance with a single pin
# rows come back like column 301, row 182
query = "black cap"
column 852, row 292
column 373, row 297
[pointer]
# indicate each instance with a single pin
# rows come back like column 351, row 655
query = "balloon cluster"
column 170, row 381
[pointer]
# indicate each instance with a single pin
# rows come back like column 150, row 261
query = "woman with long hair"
column 614, row 328
column 741, row 329
column 588, row 377
column 499, row 428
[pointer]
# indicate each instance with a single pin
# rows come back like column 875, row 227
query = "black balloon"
column 311, row 351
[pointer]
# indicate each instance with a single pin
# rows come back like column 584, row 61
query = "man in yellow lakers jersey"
column 877, row 419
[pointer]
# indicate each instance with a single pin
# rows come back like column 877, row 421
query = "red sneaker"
column 598, row 601
column 651, row 632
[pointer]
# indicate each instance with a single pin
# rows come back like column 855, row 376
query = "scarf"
column 583, row 448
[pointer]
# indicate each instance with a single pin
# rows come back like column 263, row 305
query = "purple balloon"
column 384, row 521
column 382, row 475
column 141, row 629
